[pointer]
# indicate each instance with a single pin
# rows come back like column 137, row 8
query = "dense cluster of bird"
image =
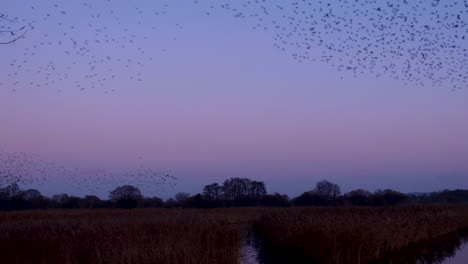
column 14, row 168
column 102, row 181
column 26, row 169
column 421, row 42
column 23, row 168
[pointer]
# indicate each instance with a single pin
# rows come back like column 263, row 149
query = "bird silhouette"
column 416, row 42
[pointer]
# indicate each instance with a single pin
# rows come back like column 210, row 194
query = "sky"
column 208, row 97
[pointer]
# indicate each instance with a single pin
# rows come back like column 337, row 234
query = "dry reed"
column 355, row 235
column 119, row 236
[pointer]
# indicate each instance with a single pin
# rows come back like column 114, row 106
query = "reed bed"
column 120, row 236
column 179, row 236
column 356, row 235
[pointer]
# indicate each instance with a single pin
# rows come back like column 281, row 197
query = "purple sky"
column 220, row 101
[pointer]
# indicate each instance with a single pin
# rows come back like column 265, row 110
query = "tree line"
column 233, row 192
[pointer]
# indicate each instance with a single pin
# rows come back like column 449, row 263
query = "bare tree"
column 236, row 189
column 257, row 190
column 126, row 192
column 327, row 191
column 126, row 196
column 243, row 191
column 212, row 192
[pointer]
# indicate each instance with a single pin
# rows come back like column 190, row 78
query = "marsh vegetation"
column 289, row 235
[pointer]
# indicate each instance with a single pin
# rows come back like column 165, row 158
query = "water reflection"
column 431, row 251
column 447, row 249
column 461, row 256
column 250, row 249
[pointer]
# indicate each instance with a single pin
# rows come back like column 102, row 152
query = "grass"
column 357, row 235
column 291, row 235
column 119, row 236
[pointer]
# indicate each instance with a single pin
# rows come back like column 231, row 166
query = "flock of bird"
column 26, row 169
column 83, row 46
column 9, row 33
column 15, row 168
column 420, row 42
column 94, row 45
column 151, row 180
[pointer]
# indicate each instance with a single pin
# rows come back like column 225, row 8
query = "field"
column 290, row 235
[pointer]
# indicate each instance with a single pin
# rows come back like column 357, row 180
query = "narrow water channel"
column 461, row 256
column 250, row 249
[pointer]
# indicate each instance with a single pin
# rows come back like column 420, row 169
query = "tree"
column 257, row 190
column 126, row 196
column 125, row 192
column 170, row 202
column 73, row 202
column 236, row 189
column 30, row 194
column 92, row 201
column 310, row 198
column 181, row 198
column 213, row 192
column 199, row 201
column 60, row 198
column 328, row 191
column 392, row 197
column 153, row 202
column 359, row 197
column 234, row 192
column 9, row 191
column 276, row 199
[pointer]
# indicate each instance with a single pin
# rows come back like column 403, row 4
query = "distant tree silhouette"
column 181, row 198
column 325, row 193
column 73, row 202
column 309, row 198
column 233, row 192
column 171, row 202
column 126, row 196
column 213, row 192
column 328, row 192
column 276, row 199
column 9, row 191
column 92, row 201
column 392, row 197
column 199, row 201
column 257, row 191
column 60, row 199
column 30, row 194
column 359, row 197
column 153, row 202
column 446, row 196
column 235, row 189
column 243, row 192
column 28, row 199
